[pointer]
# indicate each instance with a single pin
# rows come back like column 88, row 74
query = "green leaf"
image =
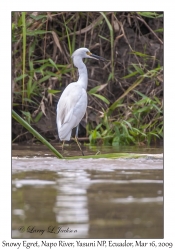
column 40, row 69
column 41, row 61
column 144, row 109
column 31, row 66
column 139, row 54
column 101, row 98
column 138, row 69
column 139, row 93
column 125, row 130
column 159, row 30
column 130, row 75
column 43, row 79
column 50, row 73
column 157, row 100
column 110, row 77
column 26, row 113
column 36, row 32
column 138, row 131
column 129, row 125
column 53, row 91
column 52, row 62
column 47, row 61
column 148, row 14
column 156, row 107
column 116, row 141
column 38, row 117
column 29, row 100
column 98, row 126
column 20, row 77
column 31, row 88
column 151, row 133
column 104, row 38
column 97, row 88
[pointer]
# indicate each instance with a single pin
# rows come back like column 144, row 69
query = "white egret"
column 72, row 104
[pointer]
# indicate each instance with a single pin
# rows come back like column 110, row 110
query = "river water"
column 86, row 198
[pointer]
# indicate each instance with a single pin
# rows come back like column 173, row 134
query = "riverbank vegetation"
column 125, row 93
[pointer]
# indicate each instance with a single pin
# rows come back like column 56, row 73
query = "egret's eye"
column 88, row 53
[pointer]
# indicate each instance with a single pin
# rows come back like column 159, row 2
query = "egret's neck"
column 82, row 71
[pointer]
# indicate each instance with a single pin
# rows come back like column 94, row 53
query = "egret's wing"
column 70, row 109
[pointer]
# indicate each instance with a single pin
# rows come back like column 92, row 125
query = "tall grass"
column 132, row 44
column 111, row 42
column 24, row 52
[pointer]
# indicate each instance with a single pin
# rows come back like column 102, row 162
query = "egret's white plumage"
column 72, row 104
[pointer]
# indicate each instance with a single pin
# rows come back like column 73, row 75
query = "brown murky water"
column 86, row 198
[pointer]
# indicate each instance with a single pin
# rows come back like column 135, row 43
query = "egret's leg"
column 76, row 139
column 76, row 133
column 63, row 146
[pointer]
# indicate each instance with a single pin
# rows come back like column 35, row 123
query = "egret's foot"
column 76, row 139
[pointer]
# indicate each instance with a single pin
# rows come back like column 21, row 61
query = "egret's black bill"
column 98, row 57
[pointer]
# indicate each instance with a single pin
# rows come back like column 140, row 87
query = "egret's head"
column 85, row 53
